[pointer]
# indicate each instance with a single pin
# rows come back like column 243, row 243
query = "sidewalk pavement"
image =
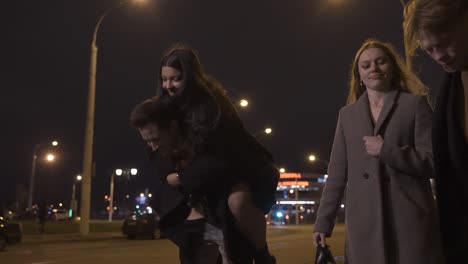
column 100, row 236
column 70, row 237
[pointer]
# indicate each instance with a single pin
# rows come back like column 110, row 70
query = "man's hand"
column 173, row 180
column 373, row 145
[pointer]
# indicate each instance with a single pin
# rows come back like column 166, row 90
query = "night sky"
column 289, row 58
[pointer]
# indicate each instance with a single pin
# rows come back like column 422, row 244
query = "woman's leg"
column 250, row 219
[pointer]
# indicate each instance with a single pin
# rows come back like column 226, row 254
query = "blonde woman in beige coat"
column 382, row 157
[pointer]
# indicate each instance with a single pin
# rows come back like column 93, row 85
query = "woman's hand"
column 173, row 180
column 319, row 237
column 373, row 145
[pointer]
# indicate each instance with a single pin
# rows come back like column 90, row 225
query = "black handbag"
column 324, row 256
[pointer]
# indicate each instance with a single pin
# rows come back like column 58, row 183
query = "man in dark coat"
column 172, row 206
column 440, row 28
column 207, row 178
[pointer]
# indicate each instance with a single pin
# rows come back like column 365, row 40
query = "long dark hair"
column 201, row 98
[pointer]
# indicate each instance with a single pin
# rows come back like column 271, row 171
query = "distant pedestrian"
column 382, row 157
column 440, row 28
column 42, row 216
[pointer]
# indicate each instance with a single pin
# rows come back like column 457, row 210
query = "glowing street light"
column 78, row 177
column 282, row 170
column 244, row 103
column 267, row 131
column 313, row 158
column 54, row 143
column 50, row 157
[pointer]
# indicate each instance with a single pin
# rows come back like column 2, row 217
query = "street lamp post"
column 89, row 130
column 119, row 173
column 74, row 204
column 33, row 173
column 296, row 196
column 111, row 193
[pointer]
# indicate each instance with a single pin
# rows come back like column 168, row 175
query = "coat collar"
column 364, row 110
column 389, row 102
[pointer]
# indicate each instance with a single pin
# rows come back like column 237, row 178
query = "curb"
column 69, row 238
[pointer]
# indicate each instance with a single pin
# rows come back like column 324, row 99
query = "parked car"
column 59, row 215
column 145, row 225
column 9, row 233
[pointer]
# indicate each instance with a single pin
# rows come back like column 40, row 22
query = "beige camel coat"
column 401, row 228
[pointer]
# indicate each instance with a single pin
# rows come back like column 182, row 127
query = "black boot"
column 266, row 260
column 263, row 256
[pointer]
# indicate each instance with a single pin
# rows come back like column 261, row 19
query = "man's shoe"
column 266, row 260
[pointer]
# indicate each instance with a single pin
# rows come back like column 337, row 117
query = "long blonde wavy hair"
column 403, row 78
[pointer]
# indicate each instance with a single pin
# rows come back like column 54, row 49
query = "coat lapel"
column 364, row 114
column 389, row 103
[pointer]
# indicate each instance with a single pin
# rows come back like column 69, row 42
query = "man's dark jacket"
column 451, row 165
column 169, row 202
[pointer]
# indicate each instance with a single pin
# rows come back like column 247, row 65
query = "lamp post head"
column 133, row 171
column 78, row 177
column 118, row 172
column 50, row 157
column 243, row 103
column 55, row 143
column 312, row 158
